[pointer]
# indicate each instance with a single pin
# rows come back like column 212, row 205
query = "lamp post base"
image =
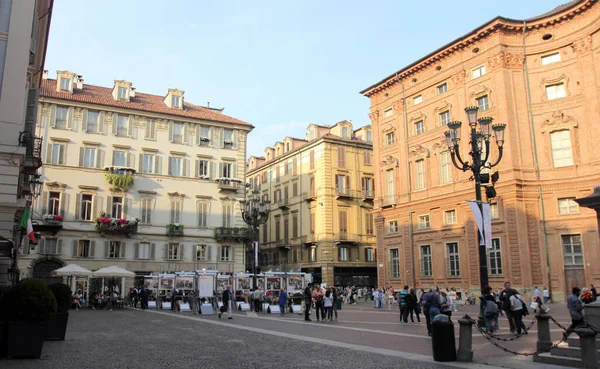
column 480, row 318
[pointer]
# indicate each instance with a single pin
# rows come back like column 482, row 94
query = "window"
column 122, row 125
column 555, row 91
column 86, row 207
column 420, row 174
column 114, row 249
column 445, row 167
column 390, row 138
column 450, row 217
column 572, row 249
column 444, row 118
column 175, row 212
column 478, row 72
column 50, row 247
column 426, row 261
column 61, row 117
column 393, row 226
column 227, row 215
column 64, row 84
column 495, row 257
column 175, row 102
column 119, row 158
column 288, row 168
column 122, row 93
column 567, row 206
column 295, row 189
column 369, row 254
column 203, row 207
column 202, row 252
column 417, row 99
column 342, row 183
column 117, row 207
column 312, row 159
column 552, row 58
column 144, row 250
column 89, row 157
column 228, row 138
column 82, row 249
column 423, row 222
column 388, row 112
column 54, row 203
column 345, row 132
column 494, row 214
column 175, row 166
column 57, row 153
column 277, row 228
column 145, row 211
column 294, row 225
column 313, row 255
column 389, row 176
column 341, row 157
column 173, row 251
column 562, row 156
column 367, row 186
column 178, row 132
column 312, row 222
column 92, row 122
column 150, row 129
column 419, row 127
column 453, row 260
column 147, row 163
column 369, row 136
column 342, row 253
column 483, row 103
column 367, row 157
column 369, row 224
column 227, row 170
column 226, row 253
column 442, row 88
column 203, row 167
column 394, row 263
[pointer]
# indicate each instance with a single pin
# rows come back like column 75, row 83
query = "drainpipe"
column 536, row 161
column 409, row 178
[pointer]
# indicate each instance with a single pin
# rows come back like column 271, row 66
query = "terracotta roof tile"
column 142, row 102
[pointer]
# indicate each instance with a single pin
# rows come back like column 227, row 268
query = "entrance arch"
column 43, row 269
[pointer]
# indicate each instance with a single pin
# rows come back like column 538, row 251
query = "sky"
column 279, row 65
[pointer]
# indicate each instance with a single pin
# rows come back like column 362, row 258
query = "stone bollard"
column 589, row 351
column 465, row 340
column 544, row 341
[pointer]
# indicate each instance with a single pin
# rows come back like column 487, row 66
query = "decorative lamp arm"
column 487, row 152
column 500, row 152
column 456, row 159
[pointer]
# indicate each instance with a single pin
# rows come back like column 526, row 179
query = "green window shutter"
column 136, row 251
column 106, row 248
column 101, row 122
column 44, row 202
column 141, row 163
column 75, row 243
column 115, row 119
column 166, row 251
column 59, row 244
column 92, row 248
column 208, row 253
column 130, row 126
column 122, row 251
column 81, row 155
column 232, row 255
column 53, row 116
column 170, row 131
column 64, row 204
column 152, row 248
column 84, row 119
column 109, row 204
column 78, row 206
column 70, row 112
column 158, row 164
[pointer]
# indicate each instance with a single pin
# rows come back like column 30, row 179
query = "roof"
column 478, row 33
column 143, row 102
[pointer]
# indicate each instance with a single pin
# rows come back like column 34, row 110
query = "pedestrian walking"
column 328, row 306
column 227, row 298
column 519, row 310
column 317, row 298
column 490, row 311
column 446, row 304
column 546, row 295
column 403, row 306
column 575, row 306
column 307, row 296
column 505, row 296
column 282, row 301
column 413, row 305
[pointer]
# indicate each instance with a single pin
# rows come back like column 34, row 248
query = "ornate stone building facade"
column 320, row 192
column 540, row 77
column 145, row 182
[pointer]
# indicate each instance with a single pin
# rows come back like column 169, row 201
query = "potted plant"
column 57, row 325
column 26, row 308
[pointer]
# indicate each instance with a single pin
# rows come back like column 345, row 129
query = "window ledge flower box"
column 106, row 225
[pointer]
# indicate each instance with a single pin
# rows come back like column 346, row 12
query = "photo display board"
column 167, row 282
column 222, row 282
column 206, row 284
column 184, row 282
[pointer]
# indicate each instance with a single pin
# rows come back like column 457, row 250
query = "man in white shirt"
column 546, row 295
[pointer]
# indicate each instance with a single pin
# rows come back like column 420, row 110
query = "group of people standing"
column 323, row 300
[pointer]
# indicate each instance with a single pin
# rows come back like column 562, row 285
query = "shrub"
column 29, row 300
column 64, row 297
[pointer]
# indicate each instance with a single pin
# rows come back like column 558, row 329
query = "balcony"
column 283, row 204
column 310, row 196
column 345, row 238
column 366, row 239
column 233, row 234
column 116, row 226
column 229, row 184
column 343, row 193
column 174, row 230
column 33, row 150
column 120, row 177
column 310, row 239
column 367, row 195
column 283, row 244
column 388, row 201
column 49, row 224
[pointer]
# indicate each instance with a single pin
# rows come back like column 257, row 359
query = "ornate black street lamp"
column 255, row 212
column 481, row 131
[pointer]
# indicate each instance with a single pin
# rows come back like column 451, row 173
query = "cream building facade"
column 145, row 182
column 320, row 191
column 24, row 27
column 540, row 77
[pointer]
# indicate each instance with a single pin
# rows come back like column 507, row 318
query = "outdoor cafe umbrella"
column 72, row 270
column 113, row 272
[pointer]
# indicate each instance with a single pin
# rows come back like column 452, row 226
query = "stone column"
column 544, row 341
column 589, row 351
column 465, row 341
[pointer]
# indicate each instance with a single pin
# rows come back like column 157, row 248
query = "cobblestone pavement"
column 363, row 337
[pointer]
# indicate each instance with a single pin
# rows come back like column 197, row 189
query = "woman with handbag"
column 519, row 310
column 413, row 305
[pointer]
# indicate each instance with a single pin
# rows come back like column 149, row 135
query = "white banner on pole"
column 487, row 225
column 478, row 220
column 255, row 247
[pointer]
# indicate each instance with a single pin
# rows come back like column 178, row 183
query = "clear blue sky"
column 277, row 64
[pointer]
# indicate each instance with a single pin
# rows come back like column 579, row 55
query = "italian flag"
column 26, row 223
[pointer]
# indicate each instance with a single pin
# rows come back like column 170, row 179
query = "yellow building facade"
column 321, row 191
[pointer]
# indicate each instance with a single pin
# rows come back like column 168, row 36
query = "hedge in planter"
column 26, row 308
column 57, row 326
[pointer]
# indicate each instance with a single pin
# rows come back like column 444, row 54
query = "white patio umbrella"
column 72, row 270
column 113, row 272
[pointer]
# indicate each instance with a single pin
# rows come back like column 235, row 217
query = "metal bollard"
column 589, row 351
column 544, row 341
column 465, row 340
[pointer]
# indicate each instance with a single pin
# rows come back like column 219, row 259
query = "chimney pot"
column 45, row 74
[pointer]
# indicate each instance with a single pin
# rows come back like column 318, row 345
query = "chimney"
column 79, row 80
column 132, row 92
column 45, row 74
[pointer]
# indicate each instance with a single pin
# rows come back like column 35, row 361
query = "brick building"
column 539, row 76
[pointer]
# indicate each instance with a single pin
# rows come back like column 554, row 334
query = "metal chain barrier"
column 494, row 340
column 513, row 338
